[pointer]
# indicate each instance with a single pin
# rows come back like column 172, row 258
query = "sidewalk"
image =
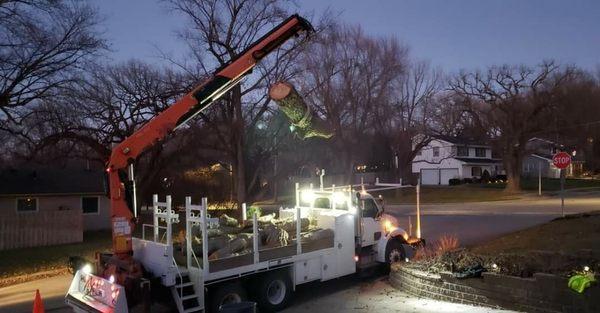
column 19, row 298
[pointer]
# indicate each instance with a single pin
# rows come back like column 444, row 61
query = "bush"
column 251, row 210
column 467, row 180
column 454, row 182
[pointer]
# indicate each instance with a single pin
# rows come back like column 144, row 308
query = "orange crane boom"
column 201, row 97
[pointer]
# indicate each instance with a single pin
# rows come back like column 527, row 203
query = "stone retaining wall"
column 541, row 293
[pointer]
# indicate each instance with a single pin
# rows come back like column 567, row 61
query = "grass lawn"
column 567, row 235
column 446, row 194
column 30, row 260
column 550, row 184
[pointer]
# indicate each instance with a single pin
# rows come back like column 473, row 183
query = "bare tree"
column 43, row 44
column 406, row 120
column 512, row 103
column 216, row 32
column 102, row 108
column 347, row 75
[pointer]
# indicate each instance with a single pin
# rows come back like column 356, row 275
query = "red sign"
column 561, row 160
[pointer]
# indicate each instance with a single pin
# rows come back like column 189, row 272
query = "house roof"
column 50, row 181
column 462, row 140
column 478, row 160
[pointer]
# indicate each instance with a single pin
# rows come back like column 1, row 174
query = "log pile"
column 232, row 238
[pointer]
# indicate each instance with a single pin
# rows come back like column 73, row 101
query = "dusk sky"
column 453, row 35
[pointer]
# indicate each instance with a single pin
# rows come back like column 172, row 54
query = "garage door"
column 430, row 177
column 438, row 176
column 448, row 173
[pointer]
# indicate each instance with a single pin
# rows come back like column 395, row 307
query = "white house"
column 445, row 158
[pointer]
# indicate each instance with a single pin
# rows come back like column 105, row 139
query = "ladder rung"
column 192, row 296
column 184, row 284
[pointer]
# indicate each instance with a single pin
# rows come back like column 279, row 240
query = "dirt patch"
column 560, row 247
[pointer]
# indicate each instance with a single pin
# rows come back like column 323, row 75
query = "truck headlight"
column 388, row 226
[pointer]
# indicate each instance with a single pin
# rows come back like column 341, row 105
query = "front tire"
column 394, row 252
column 232, row 292
column 274, row 291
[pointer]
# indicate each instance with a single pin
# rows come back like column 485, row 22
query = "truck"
column 138, row 268
column 355, row 234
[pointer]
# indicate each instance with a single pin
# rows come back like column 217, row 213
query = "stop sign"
column 561, row 160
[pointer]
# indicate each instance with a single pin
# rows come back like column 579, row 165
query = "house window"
column 27, row 204
column 480, row 152
column 89, row 205
column 462, row 151
column 475, row 171
column 436, row 151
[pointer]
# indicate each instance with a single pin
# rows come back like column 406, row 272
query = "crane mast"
column 188, row 106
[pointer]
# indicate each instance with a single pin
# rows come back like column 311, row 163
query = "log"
column 289, row 225
column 225, row 220
column 318, row 234
column 232, row 247
column 298, row 112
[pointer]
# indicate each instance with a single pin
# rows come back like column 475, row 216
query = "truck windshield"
column 369, row 208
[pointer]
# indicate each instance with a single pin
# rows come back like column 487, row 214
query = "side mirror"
column 381, row 203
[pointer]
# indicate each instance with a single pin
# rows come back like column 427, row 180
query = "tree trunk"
column 512, row 163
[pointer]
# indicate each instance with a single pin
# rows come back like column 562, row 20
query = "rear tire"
column 229, row 292
column 274, row 291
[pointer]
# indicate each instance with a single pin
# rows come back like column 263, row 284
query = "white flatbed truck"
column 362, row 236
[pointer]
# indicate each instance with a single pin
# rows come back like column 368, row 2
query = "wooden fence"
column 42, row 228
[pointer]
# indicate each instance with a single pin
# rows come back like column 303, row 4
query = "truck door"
column 370, row 226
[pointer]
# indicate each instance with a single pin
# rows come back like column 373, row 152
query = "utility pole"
column 418, row 208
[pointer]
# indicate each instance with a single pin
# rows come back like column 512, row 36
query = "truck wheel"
column 231, row 292
column 394, row 252
column 274, row 291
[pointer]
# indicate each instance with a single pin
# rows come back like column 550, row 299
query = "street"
column 348, row 294
column 469, row 222
column 476, row 222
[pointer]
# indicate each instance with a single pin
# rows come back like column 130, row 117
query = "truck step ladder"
column 185, row 294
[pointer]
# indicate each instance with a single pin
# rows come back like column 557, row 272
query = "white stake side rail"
column 197, row 215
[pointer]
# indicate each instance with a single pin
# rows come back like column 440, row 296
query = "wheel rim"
column 276, row 292
column 231, row 298
column 395, row 256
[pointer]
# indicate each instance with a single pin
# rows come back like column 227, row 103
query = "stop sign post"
column 562, row 160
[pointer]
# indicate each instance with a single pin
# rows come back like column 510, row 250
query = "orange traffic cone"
column 38, row 305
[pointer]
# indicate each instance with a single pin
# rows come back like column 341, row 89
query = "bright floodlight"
column 86, row 269
column 307, row 196
column 339, row 198
column 111, row 279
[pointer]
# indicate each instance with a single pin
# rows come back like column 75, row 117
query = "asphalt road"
column 348, row 294
column 477, row 222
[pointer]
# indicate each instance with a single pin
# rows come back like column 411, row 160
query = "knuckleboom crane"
column 121, row 265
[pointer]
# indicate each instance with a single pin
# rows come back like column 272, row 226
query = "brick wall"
column 540, row 293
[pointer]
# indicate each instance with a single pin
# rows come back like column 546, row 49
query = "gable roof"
column 51, row 181
column 462, row 140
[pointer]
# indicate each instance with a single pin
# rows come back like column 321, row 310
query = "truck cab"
column 378, row 237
